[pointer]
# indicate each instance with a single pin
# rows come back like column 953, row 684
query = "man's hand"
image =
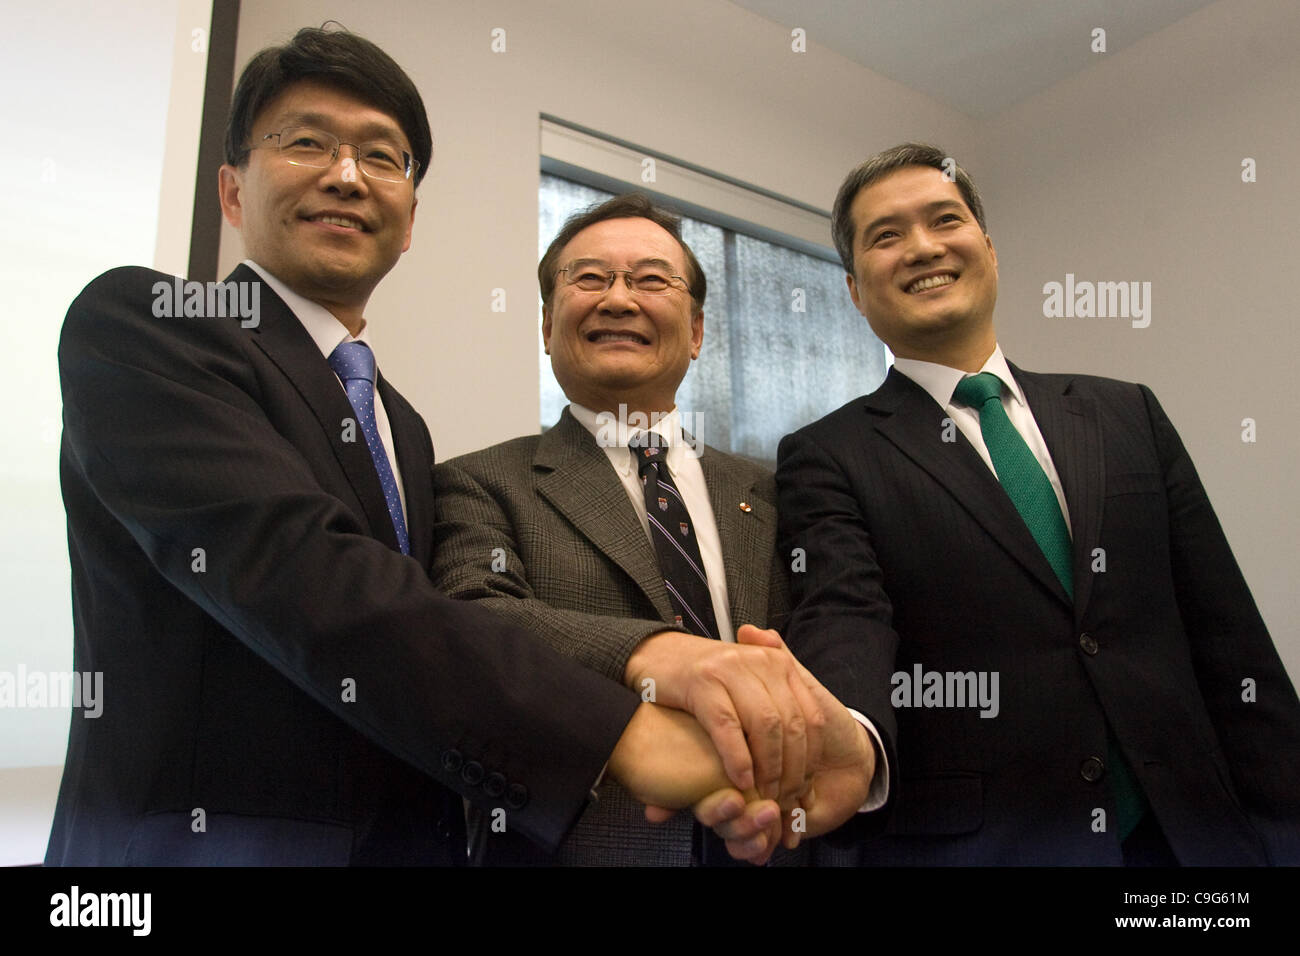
column 752, row 699
column 665, row 759
column 838, row 788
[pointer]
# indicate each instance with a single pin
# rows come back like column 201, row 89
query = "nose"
column 343, row 175
column 923, row 244
column 619, row 298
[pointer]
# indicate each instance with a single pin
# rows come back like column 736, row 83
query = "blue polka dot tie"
column 354, row 363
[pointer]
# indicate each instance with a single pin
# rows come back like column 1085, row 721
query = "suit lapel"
column 575, row 476
column 1071, row 429
column 286, row 343
column 747, row 536
column 908, row 417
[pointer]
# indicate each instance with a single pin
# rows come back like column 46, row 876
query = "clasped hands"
column 744, row 735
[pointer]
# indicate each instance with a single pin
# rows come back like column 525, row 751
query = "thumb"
column 749, row 634
column 659, row 814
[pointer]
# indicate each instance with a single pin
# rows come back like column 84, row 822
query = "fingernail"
column 767, row 816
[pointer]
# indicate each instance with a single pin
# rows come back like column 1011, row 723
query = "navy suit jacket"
column 916, row 556
column 279, row 684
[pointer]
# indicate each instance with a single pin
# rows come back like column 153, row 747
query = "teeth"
column 931, row 283
column 338, row 221
column 617, row 337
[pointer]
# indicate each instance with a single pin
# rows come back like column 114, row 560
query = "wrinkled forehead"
column 625, row 244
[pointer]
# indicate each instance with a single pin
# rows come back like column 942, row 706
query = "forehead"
column 622, row 242
column 904, row 191
column 337, row 110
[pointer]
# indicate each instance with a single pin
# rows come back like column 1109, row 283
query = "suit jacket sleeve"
column 166, row 420
column 1230, row 644
column 841, row 624
column 478, row 557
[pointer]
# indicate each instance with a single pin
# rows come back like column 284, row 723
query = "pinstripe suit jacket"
column 917, row 558
column 224, row 681
column 540, row 529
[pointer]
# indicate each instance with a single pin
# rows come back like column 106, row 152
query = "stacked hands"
column 746, row 736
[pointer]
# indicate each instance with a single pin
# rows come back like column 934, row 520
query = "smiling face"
column 330, row 234
column 618, row 346
column 925, row 274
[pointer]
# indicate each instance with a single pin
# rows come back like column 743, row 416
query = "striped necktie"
column 674, row 540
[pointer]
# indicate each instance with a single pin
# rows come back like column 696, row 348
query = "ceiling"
column 976, row 56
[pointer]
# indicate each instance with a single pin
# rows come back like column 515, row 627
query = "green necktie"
column 1019, row 473
column 1029, row 489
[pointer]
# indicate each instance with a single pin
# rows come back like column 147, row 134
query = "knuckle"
column 768, row 722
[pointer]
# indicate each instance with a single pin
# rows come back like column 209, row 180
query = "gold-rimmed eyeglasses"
column 644, row 280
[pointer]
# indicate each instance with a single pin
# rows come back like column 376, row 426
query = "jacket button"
column 452, row 760
column 494, row 784
column 516, row 796
column 444, row 829
column 472, row 772
column 1088, row 643
column 1092, row 769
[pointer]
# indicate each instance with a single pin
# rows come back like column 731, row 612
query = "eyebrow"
column 928, row 209
column 372, row 130
column 648, row 261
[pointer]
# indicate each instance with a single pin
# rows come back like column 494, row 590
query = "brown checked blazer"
column 540, row 530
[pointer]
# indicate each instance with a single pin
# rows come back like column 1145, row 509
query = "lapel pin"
column 744, row 506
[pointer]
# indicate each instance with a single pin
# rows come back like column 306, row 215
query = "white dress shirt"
column 328, row 333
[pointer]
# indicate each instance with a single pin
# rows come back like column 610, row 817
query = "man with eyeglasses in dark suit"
column 250, row 517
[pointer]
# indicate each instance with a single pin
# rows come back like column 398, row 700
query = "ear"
column 415, row 201
column 546, row 329
column 230, row 183
column 853, row 290
column 993, row 253
column 697, row 333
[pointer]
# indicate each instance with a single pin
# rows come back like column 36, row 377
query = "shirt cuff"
column 879, row 791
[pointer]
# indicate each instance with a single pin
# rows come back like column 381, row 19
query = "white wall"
column 87, row 96
column 1132, row 171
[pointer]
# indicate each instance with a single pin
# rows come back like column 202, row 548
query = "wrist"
column 647, row 658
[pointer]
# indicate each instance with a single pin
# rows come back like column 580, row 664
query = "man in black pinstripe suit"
column 1142, row 715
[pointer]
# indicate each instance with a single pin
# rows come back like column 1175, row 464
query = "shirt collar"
column 325, row 330
column 609, row 432
column 940, row 381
